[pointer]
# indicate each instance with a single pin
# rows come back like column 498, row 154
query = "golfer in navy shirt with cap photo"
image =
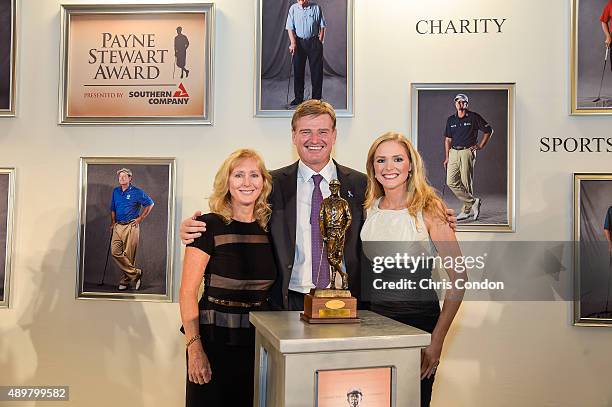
column 460, row 145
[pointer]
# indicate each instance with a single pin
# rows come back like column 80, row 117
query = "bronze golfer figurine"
column 335, row 218
column 333, row 304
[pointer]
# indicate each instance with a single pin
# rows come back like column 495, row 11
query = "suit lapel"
column 289, row 190
column 346, row 188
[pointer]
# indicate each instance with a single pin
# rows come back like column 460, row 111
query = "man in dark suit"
column 313, row 132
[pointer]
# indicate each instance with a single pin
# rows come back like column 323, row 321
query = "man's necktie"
column 320, row 266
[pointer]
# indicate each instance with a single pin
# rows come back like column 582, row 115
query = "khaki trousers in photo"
column 459, row 176
column 123, row 248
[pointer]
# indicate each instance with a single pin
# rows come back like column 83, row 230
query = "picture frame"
column 274, row 80
column 432, row 107
column 7, row 209
column 137, row 64
column 590, row 83
column 592, row 305
column 8, row 55
column 107, row 255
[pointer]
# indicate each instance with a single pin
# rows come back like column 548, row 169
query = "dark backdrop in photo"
column 595, row 199
column 591, row 53
column 151, row 254
column 491, row 168
column 6, row 29
column 276, row 60
column 4, row 188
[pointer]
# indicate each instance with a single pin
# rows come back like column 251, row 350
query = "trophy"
column 332, row 305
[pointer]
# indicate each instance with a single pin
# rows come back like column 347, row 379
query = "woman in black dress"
column 234, row 257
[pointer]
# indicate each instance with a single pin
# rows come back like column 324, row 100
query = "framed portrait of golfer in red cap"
column 126, row 224
column 137, row 64
column 591, row 57
column 593, row 249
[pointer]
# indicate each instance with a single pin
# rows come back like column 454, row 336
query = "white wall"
column 131, row 353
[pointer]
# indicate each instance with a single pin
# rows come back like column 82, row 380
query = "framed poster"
column 354, row 387
column 593, row 249
column 591, row 58
column 297, row 61
column 7, row 199
column 126, row 229
column 465, row 134
column 7, row 57
column 137, row 64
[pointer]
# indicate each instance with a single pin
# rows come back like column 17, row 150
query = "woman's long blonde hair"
column 420, row 195
column 220, row 202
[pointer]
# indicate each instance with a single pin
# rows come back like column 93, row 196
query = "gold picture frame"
column 7, row 210
column 435, row 100
column 8, row 53
column 592, row 303
column 587, row 57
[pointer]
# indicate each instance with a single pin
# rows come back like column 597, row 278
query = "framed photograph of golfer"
column 591, row 67
column 137, row 64
column 7, row 198
column 593, row 249
column 465, row 133
column 7, row 57
column 126, row 224
column 355, row 387
column 304, row 50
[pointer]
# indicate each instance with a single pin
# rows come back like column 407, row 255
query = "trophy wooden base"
column 330, row 307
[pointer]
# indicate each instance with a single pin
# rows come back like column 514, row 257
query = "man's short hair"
column 313, row 107
column 126, row 170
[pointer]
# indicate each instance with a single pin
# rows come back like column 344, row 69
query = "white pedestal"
column 290, row 352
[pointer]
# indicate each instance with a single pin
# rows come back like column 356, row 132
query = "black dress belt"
column 459, row 148
column 228, row 303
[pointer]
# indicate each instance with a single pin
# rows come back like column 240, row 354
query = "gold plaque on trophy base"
column 329, row 306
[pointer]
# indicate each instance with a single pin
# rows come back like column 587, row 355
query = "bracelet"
column 192, row 340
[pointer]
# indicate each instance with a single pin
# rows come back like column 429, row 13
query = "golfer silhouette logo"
column 181, row 43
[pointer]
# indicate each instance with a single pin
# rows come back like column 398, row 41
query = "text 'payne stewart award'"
column 332, row 305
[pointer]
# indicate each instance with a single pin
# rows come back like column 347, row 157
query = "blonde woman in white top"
column 402, row 206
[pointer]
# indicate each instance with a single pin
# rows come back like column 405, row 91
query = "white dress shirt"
column 301, row 274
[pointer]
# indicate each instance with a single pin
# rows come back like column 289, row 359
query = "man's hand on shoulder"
column 191, row 228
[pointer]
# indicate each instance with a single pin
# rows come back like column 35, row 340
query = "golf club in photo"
column 106, row 261
column 289, row 81
column 603, row 73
